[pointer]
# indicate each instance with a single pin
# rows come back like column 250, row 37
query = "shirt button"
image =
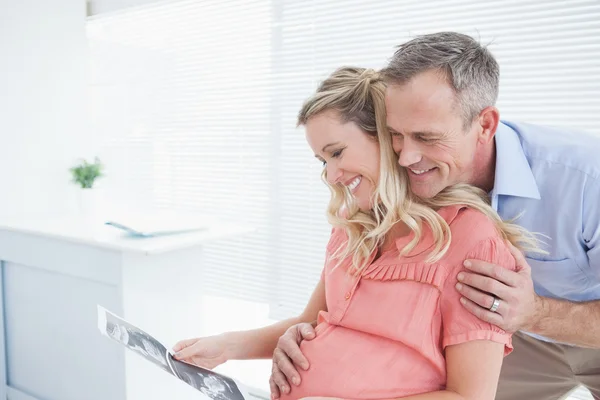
column 347, row 296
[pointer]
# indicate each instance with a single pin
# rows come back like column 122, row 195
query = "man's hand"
column 519, row 305
column 287, row 356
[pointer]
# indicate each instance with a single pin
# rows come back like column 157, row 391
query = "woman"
column 390, row 324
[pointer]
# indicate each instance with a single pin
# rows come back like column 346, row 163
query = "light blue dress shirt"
column 552, row 178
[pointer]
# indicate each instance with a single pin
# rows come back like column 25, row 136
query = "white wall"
column 43, row 109
column 106, row 6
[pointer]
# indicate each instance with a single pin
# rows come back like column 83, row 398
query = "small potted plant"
column 84, row 175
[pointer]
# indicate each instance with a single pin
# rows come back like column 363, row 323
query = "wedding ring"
column 495, row 305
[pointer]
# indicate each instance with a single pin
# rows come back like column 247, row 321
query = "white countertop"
column 93, row 232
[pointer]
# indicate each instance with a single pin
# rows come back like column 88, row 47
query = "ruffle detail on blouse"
column 432, row 274
column 337, row 238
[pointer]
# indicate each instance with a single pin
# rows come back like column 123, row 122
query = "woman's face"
column 349, row 156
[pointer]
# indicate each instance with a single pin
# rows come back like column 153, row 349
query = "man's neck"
column 485, row 167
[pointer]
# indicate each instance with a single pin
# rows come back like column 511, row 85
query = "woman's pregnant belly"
column 351, row 364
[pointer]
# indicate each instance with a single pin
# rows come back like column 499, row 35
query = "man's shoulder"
column 556, row 150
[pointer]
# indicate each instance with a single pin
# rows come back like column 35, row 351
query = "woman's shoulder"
column 337, row 237
column 469, row 228
column 465, row 220
column 474, row 235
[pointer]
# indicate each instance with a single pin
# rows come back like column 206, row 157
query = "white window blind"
column 181, row 104
column 194, row 106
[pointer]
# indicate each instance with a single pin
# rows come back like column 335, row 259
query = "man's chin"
column 425, row 191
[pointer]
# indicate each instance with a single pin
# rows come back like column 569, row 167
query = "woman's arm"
column 260, row 343
column 473, row 370
column 244, row 345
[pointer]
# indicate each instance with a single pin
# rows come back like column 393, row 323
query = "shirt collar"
column 513, row 173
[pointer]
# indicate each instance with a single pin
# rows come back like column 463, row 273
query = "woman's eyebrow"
column 324, row 149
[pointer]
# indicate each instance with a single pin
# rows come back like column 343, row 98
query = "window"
column 194, row 106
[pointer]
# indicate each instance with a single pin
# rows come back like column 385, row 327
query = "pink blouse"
column 384, row 333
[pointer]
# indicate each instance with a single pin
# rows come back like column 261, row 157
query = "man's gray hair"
column 469, row 67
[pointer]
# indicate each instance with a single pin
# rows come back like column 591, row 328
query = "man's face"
column 428, row 134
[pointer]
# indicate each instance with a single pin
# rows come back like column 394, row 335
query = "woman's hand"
column 287, row 356
column 207, row 352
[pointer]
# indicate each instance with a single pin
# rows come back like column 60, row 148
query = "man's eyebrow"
column 427, row 133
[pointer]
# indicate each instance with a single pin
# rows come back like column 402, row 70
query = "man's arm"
column 521, row 309
column 576, row 323
column 569, row 322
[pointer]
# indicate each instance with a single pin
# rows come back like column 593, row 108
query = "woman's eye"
column 337, row 153
column 324, row 163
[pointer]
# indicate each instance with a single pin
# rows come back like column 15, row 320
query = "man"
column 447, row 130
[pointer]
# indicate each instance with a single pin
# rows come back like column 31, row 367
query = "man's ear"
column 488, row 120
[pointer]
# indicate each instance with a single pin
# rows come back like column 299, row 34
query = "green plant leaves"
column 85, row 173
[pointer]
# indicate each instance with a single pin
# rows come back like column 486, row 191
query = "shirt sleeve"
column 459, row 325
column 591, row 224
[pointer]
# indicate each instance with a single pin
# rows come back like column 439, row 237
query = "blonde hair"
column 358, row 95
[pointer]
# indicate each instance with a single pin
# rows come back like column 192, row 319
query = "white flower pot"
column 89, row 202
